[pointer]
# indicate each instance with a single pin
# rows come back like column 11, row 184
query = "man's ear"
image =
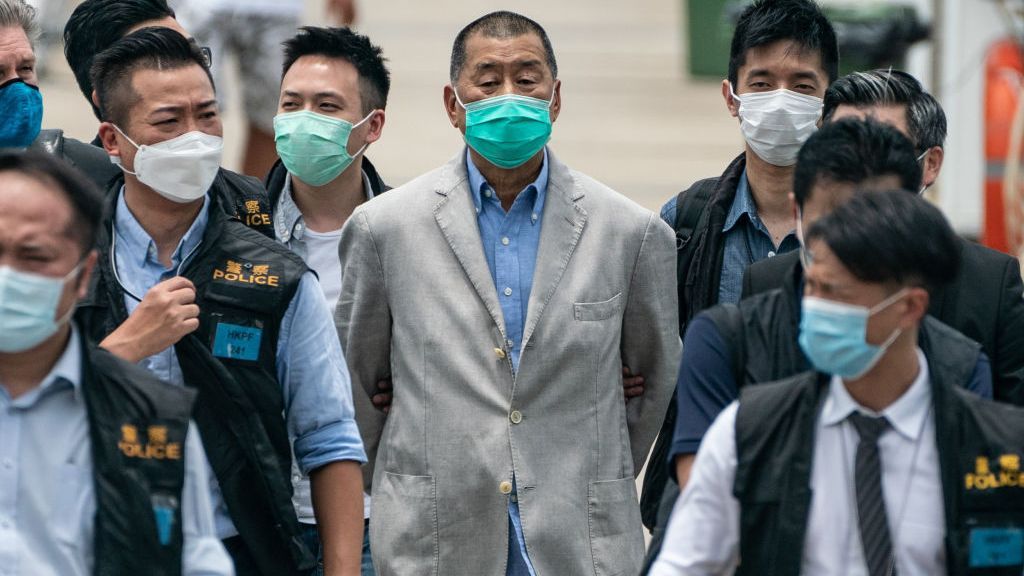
column 556, row 101
column 731, row 103
column 917, row 307
column 932, row 165
column 451, row 106
column 108, row 137
column 376, row 127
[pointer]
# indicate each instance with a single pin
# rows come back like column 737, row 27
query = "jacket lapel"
column 456, row 216
column 561, row 227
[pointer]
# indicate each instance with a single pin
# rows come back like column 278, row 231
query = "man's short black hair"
column 500, row 24
column 891, row 237
column 146, row 49
column 368, row 60
column 853, row 151
column 926, row 120
column 768, row 21
column 95, row 25
column 86, row 201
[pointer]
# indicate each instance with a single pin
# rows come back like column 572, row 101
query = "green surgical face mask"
column 314, row 147
column 507, row 130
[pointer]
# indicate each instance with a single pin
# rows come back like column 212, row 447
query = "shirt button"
column 505, row 487
column 771, row 254
column 516, row 416
column 8, row 463
column 487, row 193
column 504, row 241
column 508, row 291
column 509, row 343
column 534, row 217
column 499, row 353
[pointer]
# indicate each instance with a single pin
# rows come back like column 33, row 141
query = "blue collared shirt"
column 47, row 500
column 511, row 240
column 746, row 238
column 311, row 368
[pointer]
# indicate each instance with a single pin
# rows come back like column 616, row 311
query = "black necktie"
column 874, row 526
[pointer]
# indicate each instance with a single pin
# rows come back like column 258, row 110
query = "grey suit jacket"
column 418, row 304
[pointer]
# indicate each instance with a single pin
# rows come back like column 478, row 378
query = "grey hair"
column 18, row 13
column 500, row 24
column 926, row 120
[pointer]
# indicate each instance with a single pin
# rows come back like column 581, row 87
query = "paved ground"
column 630, row 117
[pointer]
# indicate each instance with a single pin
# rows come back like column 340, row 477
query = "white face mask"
column 181, row 169
column 776, row 124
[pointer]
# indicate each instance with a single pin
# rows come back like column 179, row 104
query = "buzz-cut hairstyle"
column 894, row 238
column 926, row 120
column 95, row 25
column 356, row 49
column 500, row 24
column 85, row 200
column 769, row 21
column 19, row 14
column 146, row 49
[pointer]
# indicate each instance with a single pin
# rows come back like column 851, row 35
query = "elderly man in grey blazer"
column 503, row 293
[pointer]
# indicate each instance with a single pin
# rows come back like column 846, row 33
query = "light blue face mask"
column 833, row 335
column 509, row 129
column 314, row 147
column 28, row 306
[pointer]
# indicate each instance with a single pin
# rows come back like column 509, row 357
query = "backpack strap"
column 690, row 204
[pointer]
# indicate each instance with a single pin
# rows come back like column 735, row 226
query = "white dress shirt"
column 704, row 531
column 47, row 502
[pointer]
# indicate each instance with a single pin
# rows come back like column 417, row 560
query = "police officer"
column 100, row 471
column 204, row 301
column 333, row 93
column 877, row 462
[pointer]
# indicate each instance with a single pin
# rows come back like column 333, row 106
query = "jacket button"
column 499, row 353
column 516, row 416
column 505, row 487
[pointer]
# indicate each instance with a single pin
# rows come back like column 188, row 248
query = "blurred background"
column 642, row 106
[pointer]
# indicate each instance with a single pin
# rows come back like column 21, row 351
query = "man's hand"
column 166, row 314
column 632, row 386
column 382, row 399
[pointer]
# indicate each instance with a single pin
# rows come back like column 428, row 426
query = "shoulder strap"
column 690, row 204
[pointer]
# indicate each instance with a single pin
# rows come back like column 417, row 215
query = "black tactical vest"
column 980, row 444
column 137, row 428
column 244, row 283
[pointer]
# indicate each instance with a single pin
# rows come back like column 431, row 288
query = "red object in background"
column 1004, row 70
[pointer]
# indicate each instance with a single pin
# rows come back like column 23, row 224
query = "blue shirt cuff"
column 332, row 443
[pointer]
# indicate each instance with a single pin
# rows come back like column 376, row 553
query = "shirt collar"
column 140, row 248
column 67, row 371
column 906, row 414
column 477, row 185
column 742, row 204
column 287, row 213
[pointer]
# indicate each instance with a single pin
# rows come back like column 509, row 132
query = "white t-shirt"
column 322, row 258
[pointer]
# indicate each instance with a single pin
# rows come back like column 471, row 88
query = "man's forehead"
column 523, row 48
column 894, row 115
column 322, row 73
column 33, row 205
column 13, row 41
column 783, row 58
column 151, row 84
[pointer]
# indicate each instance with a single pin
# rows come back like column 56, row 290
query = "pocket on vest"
column 403, row 527
column 616, row 540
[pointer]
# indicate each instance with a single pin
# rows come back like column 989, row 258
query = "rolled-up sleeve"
column 202, row 554
column 316, row 384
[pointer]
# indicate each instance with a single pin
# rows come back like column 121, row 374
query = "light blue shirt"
column 746, row 240
column 47, row 501
column 511, row 240
column 311, row 368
